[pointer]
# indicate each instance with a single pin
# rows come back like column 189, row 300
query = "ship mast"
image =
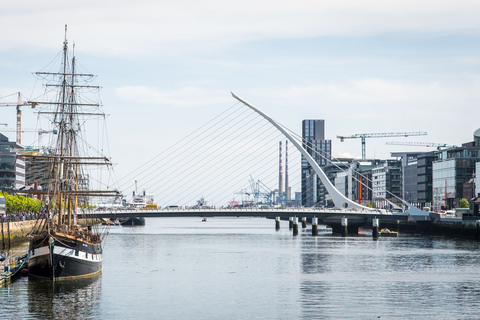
column 66, row 177
column 62, row 133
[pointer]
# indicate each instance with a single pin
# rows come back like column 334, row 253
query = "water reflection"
column 357, row 278
column 170, row 270
column 66, row 299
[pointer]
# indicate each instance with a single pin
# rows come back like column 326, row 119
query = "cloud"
column 390, row 93
column 446, row 108
column 147, row 28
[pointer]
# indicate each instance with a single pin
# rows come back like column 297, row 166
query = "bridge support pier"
column 277, row 223
column 295, row 226
column 375, row 228
column 304, row 222
column 344, row 226
column 290, row 223
column 314, row 227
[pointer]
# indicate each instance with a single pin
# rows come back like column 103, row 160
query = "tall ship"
column 67, row 243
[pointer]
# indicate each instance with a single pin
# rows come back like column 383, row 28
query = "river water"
column 241, row 268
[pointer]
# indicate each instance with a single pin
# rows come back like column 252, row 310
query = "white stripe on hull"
column 68, row 253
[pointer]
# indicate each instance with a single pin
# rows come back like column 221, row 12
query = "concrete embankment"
column 452, row 229
column 15, row 232
column 11, row 234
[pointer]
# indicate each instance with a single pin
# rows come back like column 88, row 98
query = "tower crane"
column 19, row 105
column 363, row 136
column 421, row 144
column 39, row 131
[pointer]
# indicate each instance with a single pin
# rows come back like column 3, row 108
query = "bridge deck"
column 252, row 212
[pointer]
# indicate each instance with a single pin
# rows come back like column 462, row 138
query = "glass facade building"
column 410, row 183
column 313, row 135
column 332, row 170
column 12, row 165
column 387, row 183
column 424, row 179
column 355, row 182
column 477, row 179
column 454, row 168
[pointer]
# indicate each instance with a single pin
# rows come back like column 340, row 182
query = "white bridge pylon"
column 339, row 199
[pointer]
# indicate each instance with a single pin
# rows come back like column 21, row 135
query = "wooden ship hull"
column 61, row 256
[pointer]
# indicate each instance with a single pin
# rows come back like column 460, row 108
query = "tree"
column 20, row 203
column 464, row 203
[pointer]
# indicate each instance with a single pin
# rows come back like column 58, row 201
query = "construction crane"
column 39, row 131
column 19, row 105
column 363, row 136
column 422, row 144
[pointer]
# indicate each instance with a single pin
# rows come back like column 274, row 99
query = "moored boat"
column 58, row 255
column 140, row 201
column 388, row 233
column 133, row 221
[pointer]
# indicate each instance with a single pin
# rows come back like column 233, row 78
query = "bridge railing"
column 254, row 209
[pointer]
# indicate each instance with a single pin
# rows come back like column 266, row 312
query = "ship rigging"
column 60, row 247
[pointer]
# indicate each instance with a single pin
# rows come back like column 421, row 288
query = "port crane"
column 261, row 193
column 19, row 105
column 363, row 136
column 421, row 144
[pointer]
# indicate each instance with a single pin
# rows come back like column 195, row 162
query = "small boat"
column 204, row 220
column 388, row 233
column 364, row 232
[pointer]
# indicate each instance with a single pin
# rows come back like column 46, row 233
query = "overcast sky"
column 166, row 67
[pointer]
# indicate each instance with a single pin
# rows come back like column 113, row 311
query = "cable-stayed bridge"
column 337, row 219
column 216, row 161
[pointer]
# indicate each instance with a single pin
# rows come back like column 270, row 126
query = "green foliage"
column 464, row 203
column 20, row 203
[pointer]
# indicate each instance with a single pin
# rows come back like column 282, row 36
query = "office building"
column 387, row 183
column 313, row 135
column 454, row 167
column 12, row 164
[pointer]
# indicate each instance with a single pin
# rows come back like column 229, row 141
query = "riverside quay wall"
column 15, row 232
column 453, row 228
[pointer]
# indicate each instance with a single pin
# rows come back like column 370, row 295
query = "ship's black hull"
column 136, row 221
column 70, row 258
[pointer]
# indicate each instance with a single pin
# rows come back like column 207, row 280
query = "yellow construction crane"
column 363, row 136
column 422, row 144
column 19, row 105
